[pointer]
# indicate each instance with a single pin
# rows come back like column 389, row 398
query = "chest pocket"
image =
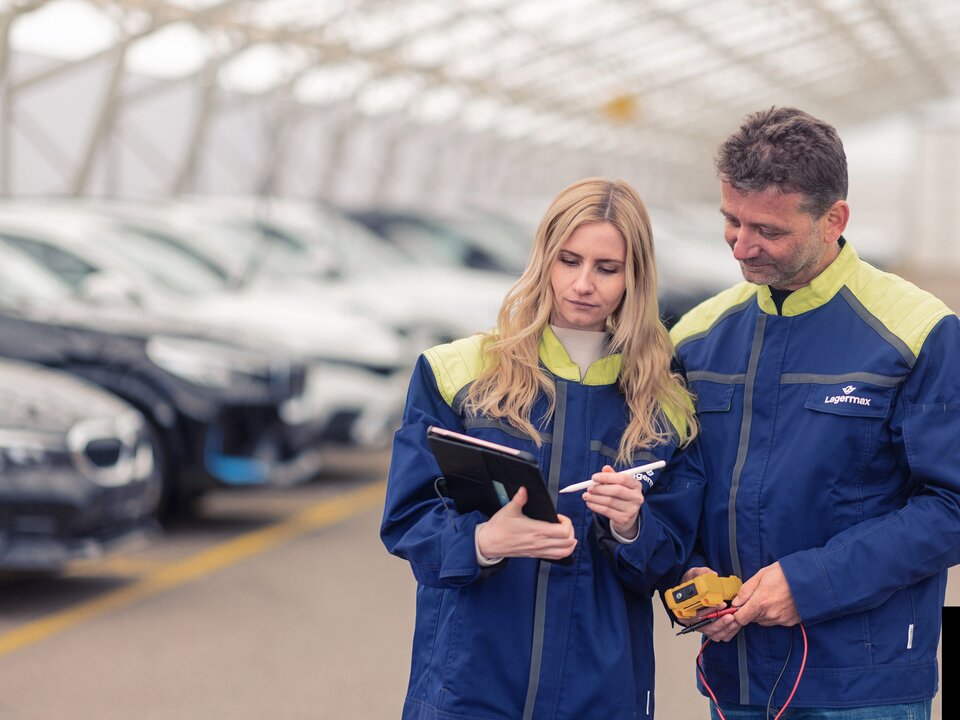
column 712, row 397
column 851, row 399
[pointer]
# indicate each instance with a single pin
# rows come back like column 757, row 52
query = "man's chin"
column 758, row 276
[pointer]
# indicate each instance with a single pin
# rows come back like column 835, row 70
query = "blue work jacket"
column 831, row 442
column 530, row 639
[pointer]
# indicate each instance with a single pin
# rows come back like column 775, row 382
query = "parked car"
column 454, row 243
column 214, row 408
column 357, row 368
column 77, row 470
column 317, row 253
column 690, row 268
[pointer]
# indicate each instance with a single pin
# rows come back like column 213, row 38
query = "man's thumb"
column 746, row 591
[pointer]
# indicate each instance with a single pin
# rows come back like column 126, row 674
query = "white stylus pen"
column 632, row 471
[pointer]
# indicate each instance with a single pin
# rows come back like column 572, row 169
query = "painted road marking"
column 197, row 566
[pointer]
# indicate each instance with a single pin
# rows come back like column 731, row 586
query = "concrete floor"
column 243, row 613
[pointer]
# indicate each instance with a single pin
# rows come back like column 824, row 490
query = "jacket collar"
column 820, row 290
column 553, row 355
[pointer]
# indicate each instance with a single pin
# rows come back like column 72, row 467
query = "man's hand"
column 720, row 630
column 510, row 533
column 766, row 599
column 617, row 497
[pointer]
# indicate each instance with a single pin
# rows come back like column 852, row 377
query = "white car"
column 358, row 367
column 317, row 252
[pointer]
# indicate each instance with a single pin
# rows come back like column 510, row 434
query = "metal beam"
column 104, row 123
column 163, row 15
column 928, row 70
column 186, row 174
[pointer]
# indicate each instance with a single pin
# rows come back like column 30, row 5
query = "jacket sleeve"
column 669, row 518
column 865, row 564
column 418, row 525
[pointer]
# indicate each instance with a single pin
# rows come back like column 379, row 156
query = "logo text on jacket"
column 846, row 398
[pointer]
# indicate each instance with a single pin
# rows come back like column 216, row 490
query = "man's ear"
column 834, row 221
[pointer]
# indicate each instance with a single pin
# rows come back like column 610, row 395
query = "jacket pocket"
column 712, row 396
column 850, row 399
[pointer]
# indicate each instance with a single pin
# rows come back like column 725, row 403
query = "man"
column 829, row 398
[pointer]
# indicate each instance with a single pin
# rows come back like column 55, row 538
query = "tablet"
column 484, row 476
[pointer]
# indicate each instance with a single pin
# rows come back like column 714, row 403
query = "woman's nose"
column 584, row 282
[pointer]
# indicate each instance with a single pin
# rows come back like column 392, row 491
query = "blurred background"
column 227, row 229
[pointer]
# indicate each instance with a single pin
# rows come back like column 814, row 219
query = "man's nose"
column 743, row 243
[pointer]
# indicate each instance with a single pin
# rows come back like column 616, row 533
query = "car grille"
column 104, row 452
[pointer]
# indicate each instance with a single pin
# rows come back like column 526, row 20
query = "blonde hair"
column 512, row 377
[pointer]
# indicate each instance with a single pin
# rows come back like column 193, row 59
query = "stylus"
column 632, row 471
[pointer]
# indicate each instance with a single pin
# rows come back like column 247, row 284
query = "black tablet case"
column 470, row 469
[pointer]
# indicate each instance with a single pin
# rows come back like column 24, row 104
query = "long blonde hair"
column 512, row 377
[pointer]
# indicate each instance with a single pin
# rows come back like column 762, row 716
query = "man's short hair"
column 788, row 149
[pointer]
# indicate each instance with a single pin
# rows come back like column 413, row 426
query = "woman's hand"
column 617, row 497
column 510, row 533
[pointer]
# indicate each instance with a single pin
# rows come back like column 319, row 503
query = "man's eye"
column 732, row 222
column 770, row 234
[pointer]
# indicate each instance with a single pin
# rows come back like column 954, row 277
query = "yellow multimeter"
column 703, row 591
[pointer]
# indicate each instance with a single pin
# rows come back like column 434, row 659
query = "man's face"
column 775, row 242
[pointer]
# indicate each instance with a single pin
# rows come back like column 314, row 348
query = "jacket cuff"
column 647, row 536
column 459, row 558
column 810, row 586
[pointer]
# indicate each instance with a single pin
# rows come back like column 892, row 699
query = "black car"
column 77, row 470
column 213, row 406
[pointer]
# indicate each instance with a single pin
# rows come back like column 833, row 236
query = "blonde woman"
column 577, row 372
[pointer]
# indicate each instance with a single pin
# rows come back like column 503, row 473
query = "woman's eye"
column 568, row 261
column 607, row 270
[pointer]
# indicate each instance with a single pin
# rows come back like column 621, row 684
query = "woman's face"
column 588, row 277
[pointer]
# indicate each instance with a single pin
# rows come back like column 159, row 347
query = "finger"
column 520, row 497
column 746, row 614
column 608, row 474
column 722, row 629
column 696, row 572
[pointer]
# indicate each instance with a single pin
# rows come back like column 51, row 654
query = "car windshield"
column 22, row 279
column 166, row 260
column 358, row 247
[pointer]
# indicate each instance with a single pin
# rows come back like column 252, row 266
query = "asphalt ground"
column 262, row 604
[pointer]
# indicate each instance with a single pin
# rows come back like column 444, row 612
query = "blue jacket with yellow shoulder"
column 831, row 442
column 533, row 639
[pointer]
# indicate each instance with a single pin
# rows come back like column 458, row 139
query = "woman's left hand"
column 617, row 497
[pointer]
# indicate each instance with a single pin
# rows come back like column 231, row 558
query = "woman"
column 577, row 373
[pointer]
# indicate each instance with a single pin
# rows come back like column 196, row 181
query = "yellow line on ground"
column 196, row 566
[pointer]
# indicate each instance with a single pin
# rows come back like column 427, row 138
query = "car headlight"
column 205, row 363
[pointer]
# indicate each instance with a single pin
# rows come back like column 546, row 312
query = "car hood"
column 449, row 301
column 318, row 326
column 47, row 401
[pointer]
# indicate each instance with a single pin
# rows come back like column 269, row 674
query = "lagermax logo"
column 646, row 477
column 846, row 398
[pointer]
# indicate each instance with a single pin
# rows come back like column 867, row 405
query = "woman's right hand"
column 510, row 533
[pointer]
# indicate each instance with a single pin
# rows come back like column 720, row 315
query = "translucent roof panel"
column 659, row 76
